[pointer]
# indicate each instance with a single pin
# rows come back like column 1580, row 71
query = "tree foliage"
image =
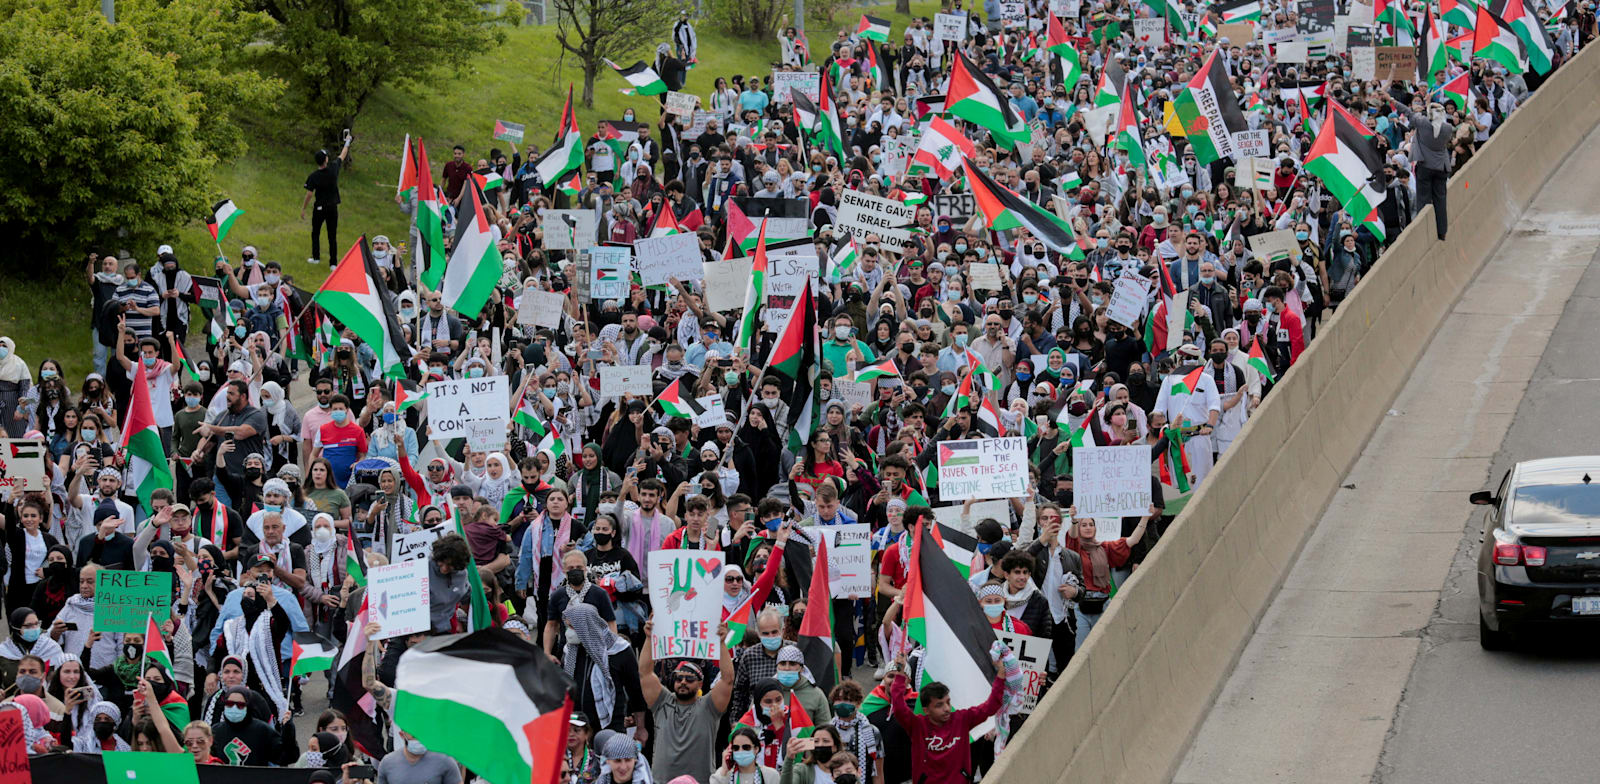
column 595, row 30
column 111, row 132
column 757, row 19
column 339, row 52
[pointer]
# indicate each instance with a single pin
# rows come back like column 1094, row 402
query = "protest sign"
column 698, row 123
column 1360, row 36
column 725, row 283
column 686, row 595
column 853, row 392
column 509, row 131
column 486, row 435
column 610, row 271
column 418, row 545
column 1127, row 301
column 1253, row 173
column 1149, row 32
column 983, row 468
column 1252, row 143
column 716, row 412
column 14, row 765
column 681, row 104
column 397, row 598
column 963, row 519
column 1111, row 481
column 849, row 559
column 1013, row 13
column 949, row 27
column 1278, row 35
column 808, row 83
column 1097, row 122
column 956, row 206
column 540, row 308
column 862, row 214
column 1034, row 654
column 1395, row 62
column 625, row 380
column 22, row 467
column 579, row 275
column 1065, row 8
column 1315, row 15
column 673, row 256
column 1363, row 63
column 569, row 229
column 123, row 600
column 1274, row 245
column 1237, row 33
column 207, row 291
column 789, row 270
column 1292, row 51
column 454, row 403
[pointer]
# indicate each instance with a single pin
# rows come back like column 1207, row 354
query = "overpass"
column 1309, row 616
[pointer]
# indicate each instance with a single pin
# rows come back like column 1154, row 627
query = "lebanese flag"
column 141, row 443
column 941, row 151
column 816, row 629
column 943, row 615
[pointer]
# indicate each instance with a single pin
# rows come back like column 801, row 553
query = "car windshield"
column 1557, row 504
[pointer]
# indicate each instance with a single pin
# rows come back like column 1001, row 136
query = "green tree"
column 108, row 142
column 756, row 19
column 339, row 52
column 596, row 30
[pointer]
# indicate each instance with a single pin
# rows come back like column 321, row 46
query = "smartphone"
column 363, row 772
column 69, row 626
column 807, row 744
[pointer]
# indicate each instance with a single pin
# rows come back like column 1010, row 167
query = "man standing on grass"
column 323, row 184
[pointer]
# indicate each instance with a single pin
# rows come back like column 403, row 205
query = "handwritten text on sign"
column 397, row 597
column 1034, row 653
column 122, row 600
column 1111, row 481
column 849, row 559
column 22, row 465
column 452, row 404
column 686, row 595
column 983, row 468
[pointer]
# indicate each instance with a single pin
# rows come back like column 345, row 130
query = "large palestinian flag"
column 1113, row 83
column 1003, row 209
column 141, row 443
column 795, row 356
column 756, row 296
column 1432, row 56
column 354, row 294
column 1057, row 42
column 943, row 615
column 675, row 404
column 1128, row 137
column 816, row 629
column 1524, row 21
column 975, row 98
column 644, row 79
column 829, row 134
column 475, row 266
column 429, row 255
column 492, row 702
column 1494, row 40
column 349, row 696
column 566, row 153
column 1209, row 112
column 1348, row 164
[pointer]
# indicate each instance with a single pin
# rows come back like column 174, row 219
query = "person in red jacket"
column 1286, row 334
column 941, row 751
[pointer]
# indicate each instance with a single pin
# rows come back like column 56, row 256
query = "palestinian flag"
column 223, row 214
column 183, row 361
column 222, row 322
column 644, row 79
column 349, row 696
column 429, row 255
column 1524, row 21
column 312, row 653
column 940, row 152
column 873, row 70
column 1190, row 382
column 795, row 356
column 1113, row 83
column 406, row 186
column 674, row 404
column 489, row 180
column 1461, row 13
column 1178, row 29
column 988, row 421
column 1004, row 209
column 960, row 401
column 873, row 29
column 1235, row 11
column 805, row 112
column 492, row 702
column 566, row 152
column 798, row 721
column 842, row 262
column 1128, row 137
column 475, row 265
column 693, row 221
column 550, row 439
column 1209, row 112
column 975, row 98
column 1335, row 108
column 1057, row 42
column 155, row 649
column 1258, row 359
column 618, row 135
column 1173, row 464
column 355, row 561
column 478, row 617
column 829, row 133
column 884, row 369
column 353, row 294
column 1461, row 47
column 405, row 398
column 961, row 548
column 1106, row 33
column 929, row 106
column 665, row 224
column 141, row 443
column 1348, row 164
column 756, row 295
column 816, row 629
column 943, row 615
column 1393, row 13
column 1432, row 57
column 1455, row 90
column 1070, row 180
column 1170, row 318
column 1375, row 226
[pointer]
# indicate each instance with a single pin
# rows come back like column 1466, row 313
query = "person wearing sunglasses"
column 686, row 722
column 739, row 763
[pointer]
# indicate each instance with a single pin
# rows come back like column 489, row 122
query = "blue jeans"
column 99, row 352
column 1085, row 623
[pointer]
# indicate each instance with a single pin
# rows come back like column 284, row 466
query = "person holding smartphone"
column 323, row 185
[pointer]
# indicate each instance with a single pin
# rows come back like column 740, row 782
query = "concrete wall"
column 1132, row 698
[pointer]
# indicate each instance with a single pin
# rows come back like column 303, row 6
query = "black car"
column 1540, row 560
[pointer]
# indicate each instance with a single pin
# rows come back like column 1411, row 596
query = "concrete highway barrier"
column 1133, row 697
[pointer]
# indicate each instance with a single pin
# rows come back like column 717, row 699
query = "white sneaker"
column 313, row 261
column 878, row 674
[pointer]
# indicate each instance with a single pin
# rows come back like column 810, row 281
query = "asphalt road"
column 1532, row 714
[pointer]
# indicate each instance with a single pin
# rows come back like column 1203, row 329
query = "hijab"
column 12, row 368
column 731, row 603
column 1095, row 555
column 492, row 489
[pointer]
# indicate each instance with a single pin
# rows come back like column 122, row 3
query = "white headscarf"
column 494, row 490
column 12, row 368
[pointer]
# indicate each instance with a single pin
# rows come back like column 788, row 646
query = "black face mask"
column 845, row 778
column 919, row 391
column 130, row 651
column 821, row 754
column 160, row 563
column 252, row 473
column 1253, row 318
column 253, row 607
column 1005, row 315
column 104, row 730
column 1218, row 356
column 1136, row 379
column 709, row 465
column 907, row 348
column 575, row 577
column 602, row 539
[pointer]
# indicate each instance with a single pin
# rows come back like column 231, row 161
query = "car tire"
column 1491, row 640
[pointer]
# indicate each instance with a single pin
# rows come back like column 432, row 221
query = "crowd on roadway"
column 293, row 442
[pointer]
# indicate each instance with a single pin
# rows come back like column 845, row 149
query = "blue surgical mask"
column 31, row 635
column 388, row 418
column 272, row 507
column 787, row 678
column 550, row 393
column 234, row 713
column 191, row 400
column 1187, row 192
column 4, row 352
column 961, row 247
column 239, row 332
column 730, row 378
column 1193, row 209
column 149, row 362
column 1102, row 242
column 1030, row 299
column 1208, row 279
column 89, row 433
column 339, row 416
column 1302, row 235
column 961, row 340
column 744, row 757
column 416, row 748
column 983, row 253
column 993, row 610
column 1024, row 375
column 772, row 643
column 948, row 389
column 474, row 372
column 47, row 374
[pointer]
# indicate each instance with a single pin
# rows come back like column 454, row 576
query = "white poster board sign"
column 540, row 308
column 1149, row 32
column 1363, row 63
column 1127, row 301
column 984, row 276
column 22, row 467
column 610, row 270
column 1293, row 51
column 487, row 435
column 686, row 595
column 726, row 283
column 949, row 27
column 849, row 559
column 963, row 519
column 862, row 214
column 1013, row 13
column 454, row 403
column 625, row 380
column 569, row 229
column 784, row 83
column 397, row 598
column 1252, row 143
column 1111, row 481
column 983, row 468
column 716, row 412
column 417, row 545
column 681, row 104
column 1034, row 654
column 673, row 256
column 787, row 276
column 853, row 393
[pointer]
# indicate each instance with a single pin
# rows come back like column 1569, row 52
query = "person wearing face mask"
column 100, row 733
column 27, row 638
column 242, row 738
column 1432, row 134
column 176, row 291
column 810, row 767
column 741, row 761
column 255, row 625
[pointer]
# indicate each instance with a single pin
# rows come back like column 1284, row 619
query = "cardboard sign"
column 784, row 83
column 726, row 283
column 1395, row 62
column 454, row 403
column 1252, row 143
column 681, row 104
column 949, row 27
column 540, row 308
column 862, row 214
column 509, row 131
column 686, row 595
column 22, row 466
column 625, row 380
column 1013, row 13
column 1363, row 63
column 1237, row 33
column 698, row 122
column 957, row 206
column 1034, row 654
column 610, row 271
column 124, row 600
column 983, row 468
column 1128, row 294
column 963, row 520
column 397, row 598
column 716, row 412
column 1111, row 481
column 1149, row 32
column 853, row 392
column 849, row 559
column 1292, row 52
column 673, row 256
column 1273, row 245
column 569, row 229
column 417, row 545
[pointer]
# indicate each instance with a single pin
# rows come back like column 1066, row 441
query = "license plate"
column 1586, row 605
